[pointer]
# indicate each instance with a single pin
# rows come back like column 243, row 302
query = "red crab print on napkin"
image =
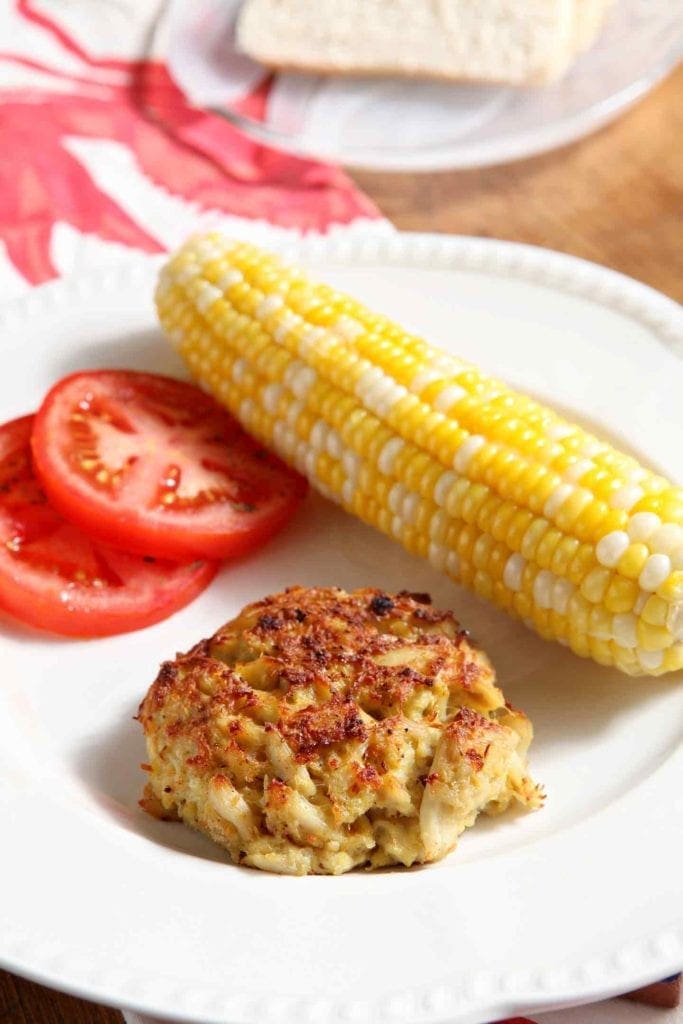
column 195, row 156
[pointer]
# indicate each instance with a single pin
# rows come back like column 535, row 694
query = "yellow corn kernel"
column 621, row 595
column 600, row 651
column 522, row 604
column 583, row 561
column 632, row 561
column 580, row 643
column 533, row 537
column 673, row 658
column 652, row 638
column 564, row 555
column 473, row 500
column 594, row 584
column 600, row 623
column 547, row 547
column 655, row 611
column 672, row 589
column 483, row 585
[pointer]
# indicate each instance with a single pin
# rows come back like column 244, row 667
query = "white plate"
column 580, row 900
column 353, row 121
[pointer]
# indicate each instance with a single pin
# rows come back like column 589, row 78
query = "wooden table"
column 615, row 198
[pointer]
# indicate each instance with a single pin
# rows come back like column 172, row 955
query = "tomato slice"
column 53, row 577
column 154, row 465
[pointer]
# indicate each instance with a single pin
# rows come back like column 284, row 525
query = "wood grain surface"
column 615, row 198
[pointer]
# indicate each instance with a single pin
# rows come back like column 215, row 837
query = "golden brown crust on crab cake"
column 319, row 731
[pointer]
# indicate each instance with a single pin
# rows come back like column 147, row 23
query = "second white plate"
column 580, row 900
column 442, row 125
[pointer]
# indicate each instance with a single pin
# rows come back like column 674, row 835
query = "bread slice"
column 518, row 42
column 590, row 15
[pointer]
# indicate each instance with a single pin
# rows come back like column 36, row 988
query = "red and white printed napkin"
column 103, row 156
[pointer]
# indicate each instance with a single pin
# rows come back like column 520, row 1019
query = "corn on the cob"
column 551, row 524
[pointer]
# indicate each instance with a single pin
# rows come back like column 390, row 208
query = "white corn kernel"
column 409, row 508
column 271, row 396
column 186, row 273
column 333, row 444
column 642, row 525
column 562, row 592
column 388, row 454
column 453, row 563
column 449, row 365
column 240, row 369
column 246, row 409
column 310, row 340
column 655, row 571
column 424, row 378
column 391, row 395
column 466, row 451
column 674, row 622
column 287, row 323
column 592, row 447
column 351, row 464
column 206, row 249
column 347, row 492
column 294, row 412
column 514, row 571
column 611, row 547
column 558, row 431
column 543, row 588
column 443, row 486
column 667, row 539
column 651, row 660
column 437, row 556
column 597, row 627
column 318, row 435
column 268, row 305
column 396, row 497
column 228, row 279
column 577, row 470
column 368, row 379
column 438, row 525
column 290, row 441
column 348, row 328
column 626, row 497
column 557, row 499
column 206, row 296
column 448, row 397
column 303, row 381
column 625, row 629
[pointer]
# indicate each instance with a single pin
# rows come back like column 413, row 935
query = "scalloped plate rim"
column 664, row 318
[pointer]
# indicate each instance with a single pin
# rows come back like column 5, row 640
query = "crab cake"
column 320, row 731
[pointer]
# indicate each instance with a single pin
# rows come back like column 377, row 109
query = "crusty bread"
column 590, row 15
column 519, row 42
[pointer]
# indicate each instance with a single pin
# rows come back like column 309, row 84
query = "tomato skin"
column 41, row 557
column 214, row 528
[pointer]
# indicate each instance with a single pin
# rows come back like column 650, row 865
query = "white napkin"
column 613, row 1011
